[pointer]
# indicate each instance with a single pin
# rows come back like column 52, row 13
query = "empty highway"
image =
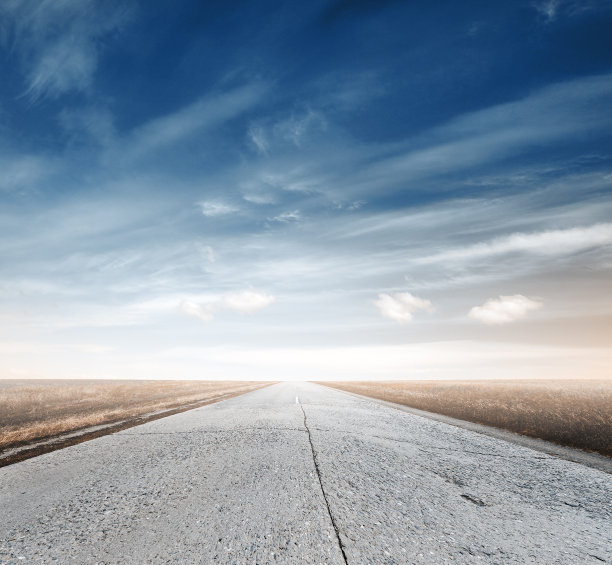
column 299, row 473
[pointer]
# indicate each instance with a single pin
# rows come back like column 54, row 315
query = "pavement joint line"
column 316, row 465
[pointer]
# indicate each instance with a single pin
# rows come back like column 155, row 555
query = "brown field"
column 575, row 413
column 36, row 410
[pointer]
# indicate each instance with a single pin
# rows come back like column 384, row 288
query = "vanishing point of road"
column 299, row 473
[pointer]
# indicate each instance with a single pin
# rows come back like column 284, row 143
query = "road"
column 299, row 473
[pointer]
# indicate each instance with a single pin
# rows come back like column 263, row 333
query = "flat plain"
column 574, row 413
column 33, row 410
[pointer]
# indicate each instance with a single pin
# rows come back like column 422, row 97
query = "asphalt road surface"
column 299, row 473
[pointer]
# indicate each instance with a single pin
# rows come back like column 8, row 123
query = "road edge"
column 10, row 456
column 586, row 458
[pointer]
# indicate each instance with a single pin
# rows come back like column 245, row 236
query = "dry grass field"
column 36, row 410
column 575, row 413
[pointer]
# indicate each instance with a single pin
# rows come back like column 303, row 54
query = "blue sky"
column 320, row 189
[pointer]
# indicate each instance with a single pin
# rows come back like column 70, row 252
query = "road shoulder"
column 593, row 460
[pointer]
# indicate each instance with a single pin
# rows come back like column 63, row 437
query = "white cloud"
column 401, row 306
column 551, row 242
column 356, row 205
column 548, row 9
column 247, row 302
column 89, row 124
column 212, row 208
column 258, row 138
column 287, row 217
column 548, row 116
column 297, row 179
column 259, row 198
column 504, row 309
column 59, row 42
column 69, row 63
column 21, row 172
column 295, row 129
column 350, row 206
column 209, row 253
column 203, row 114
column 202, row 312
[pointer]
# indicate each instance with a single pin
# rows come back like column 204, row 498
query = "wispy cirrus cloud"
column 89, row 124
column 550, row 242
column 297, row 129
column 59, row 42
column 505, row 309
column 206, row 112
column 24, row 172
column 258, row 137
column 548, row 9
column 488, row 136
column 552, row 10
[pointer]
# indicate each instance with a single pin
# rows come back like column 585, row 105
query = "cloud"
column 23, row 172
column 503, row 310
column 202, row 312
column 350, row 206
column 548, row 9
column 259, row 198
column 205, row 113
column 211, row 208
column 401, row 306
column 550, row 242
column 59, row 42
column 540, row 120
column 247, row 302
column 290, row 133
column 295, row 129
column 258, row 138
column 356, row 205
column 89, row 124
column 69, row 63
column 287, row 217
column 209, row 253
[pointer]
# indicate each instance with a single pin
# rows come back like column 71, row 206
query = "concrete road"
column 298, row 473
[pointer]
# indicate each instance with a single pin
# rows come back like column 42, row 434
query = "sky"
column 317, row 190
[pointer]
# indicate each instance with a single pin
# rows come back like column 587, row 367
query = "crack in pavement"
column 316, row 465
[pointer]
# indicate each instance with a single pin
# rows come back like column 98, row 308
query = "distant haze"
column 305, row 190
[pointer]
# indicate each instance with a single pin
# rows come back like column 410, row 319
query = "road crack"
column 316, row 465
